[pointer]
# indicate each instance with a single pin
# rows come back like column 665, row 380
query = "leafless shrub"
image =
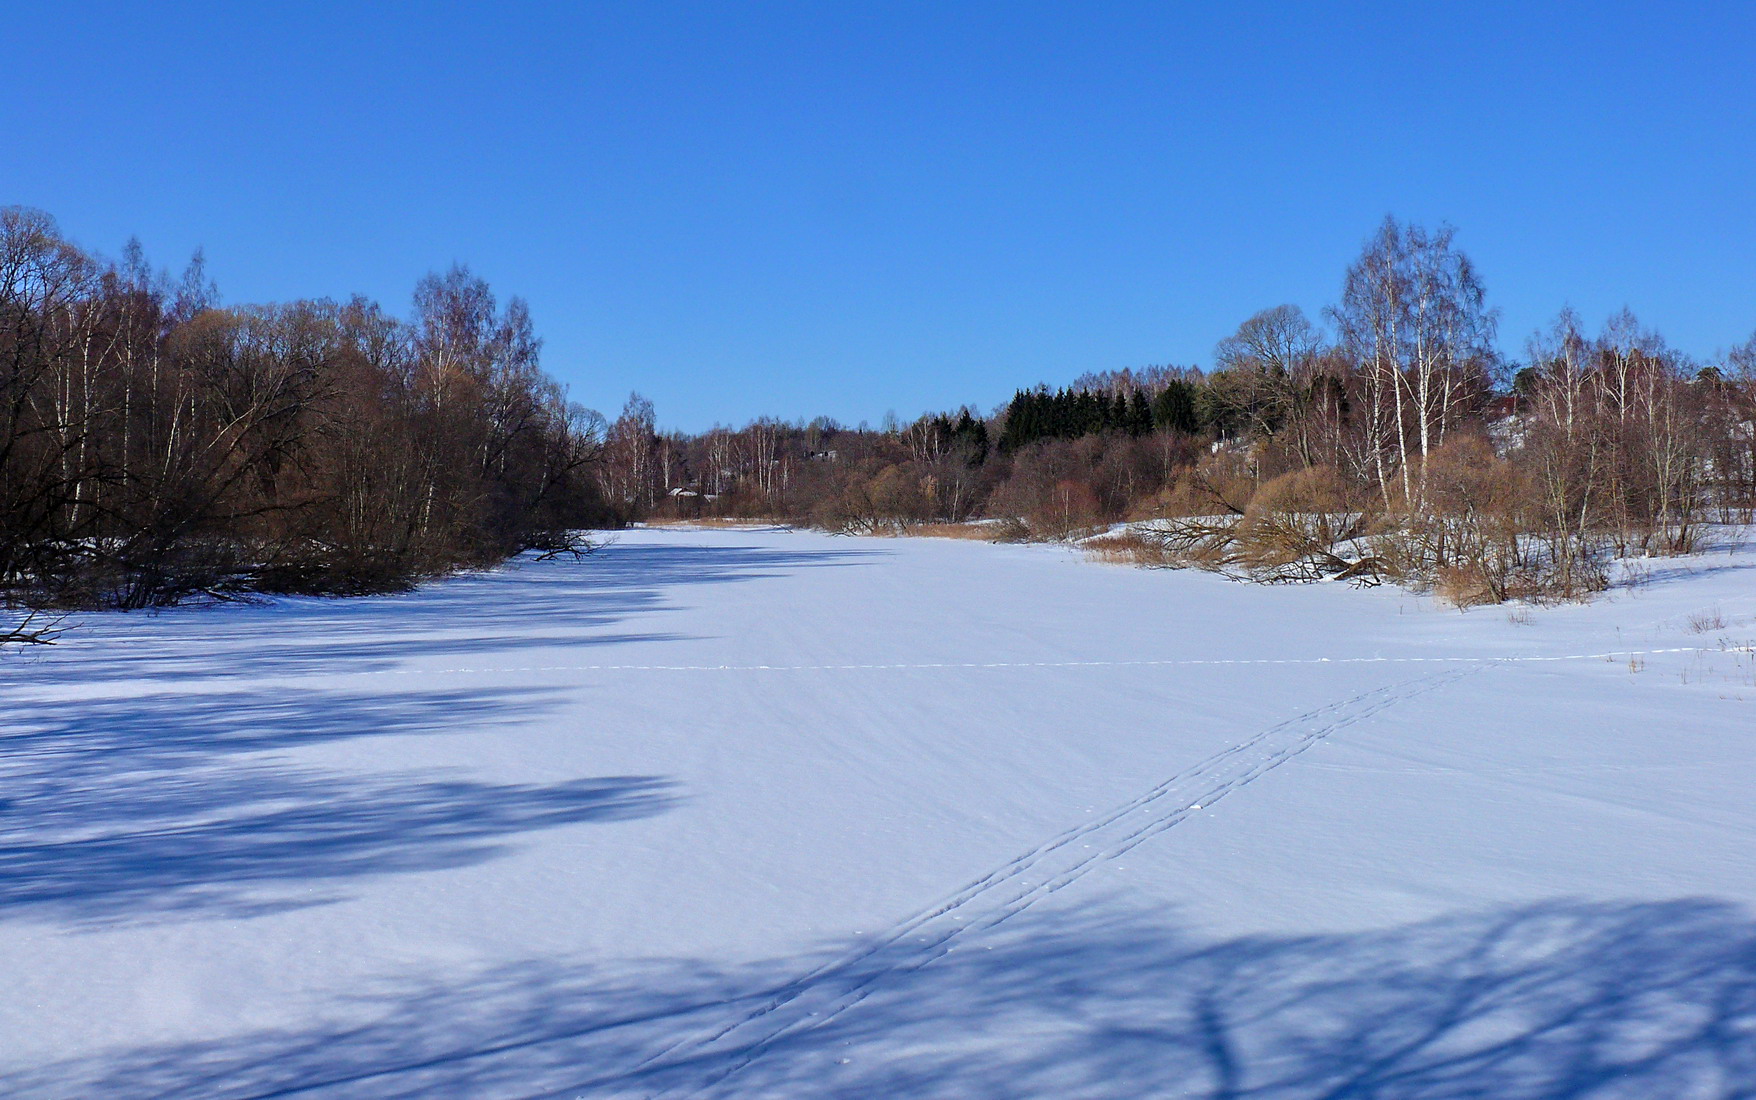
column 550, row 545
column 1051, row 501
column 1464, row 586
column 1222, row 483
column 1704, row 622
column 1200, row 542
column 1011, row 529
column 1302, row 526
column 1636, row 574
column 35, row 628
column 1297, row 528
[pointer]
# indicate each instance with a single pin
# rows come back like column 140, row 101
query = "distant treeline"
column 155, row 444
column 1392, row 442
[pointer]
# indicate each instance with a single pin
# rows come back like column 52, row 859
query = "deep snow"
column 774, row 813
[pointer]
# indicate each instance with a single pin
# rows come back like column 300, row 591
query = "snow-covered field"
column 777, row 814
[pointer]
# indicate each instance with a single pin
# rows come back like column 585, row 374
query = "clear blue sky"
column 845, row 208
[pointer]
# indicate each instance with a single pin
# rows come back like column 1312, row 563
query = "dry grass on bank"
column 983, row 532
column 988, row 531
column 730, row 523
column 1126, row 548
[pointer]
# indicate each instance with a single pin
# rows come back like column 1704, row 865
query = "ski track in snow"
column 821, row 995
column 1620, row 654
column 905, row 666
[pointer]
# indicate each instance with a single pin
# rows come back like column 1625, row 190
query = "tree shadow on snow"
column 1537, row 1003
column 122, row 809
column 114, row 809
column 527, row 604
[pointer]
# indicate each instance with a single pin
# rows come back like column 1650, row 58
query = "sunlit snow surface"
column 772, row 813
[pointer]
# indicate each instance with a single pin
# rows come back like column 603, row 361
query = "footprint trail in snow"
column 819, row 996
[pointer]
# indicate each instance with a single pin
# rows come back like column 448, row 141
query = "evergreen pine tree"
column 1139, row 419
column 1090, row 414
column 1174, row 407
column 970, row 437
column 1017, row 414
